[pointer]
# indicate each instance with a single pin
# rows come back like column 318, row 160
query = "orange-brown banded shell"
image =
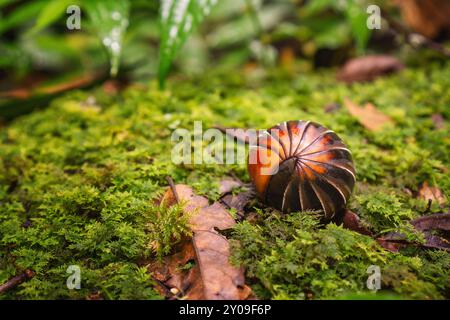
column 301, row 165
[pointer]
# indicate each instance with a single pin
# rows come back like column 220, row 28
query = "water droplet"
column 115, row 47
column 188, row 25
column 173, row 32
column 107, row 41
column 116, row 15
column 115, row 32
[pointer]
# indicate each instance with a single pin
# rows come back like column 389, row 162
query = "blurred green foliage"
column 34, row 37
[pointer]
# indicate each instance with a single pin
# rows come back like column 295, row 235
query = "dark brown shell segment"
column 301, row 165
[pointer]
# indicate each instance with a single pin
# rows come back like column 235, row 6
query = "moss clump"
column 78, row 180
column 293, row 258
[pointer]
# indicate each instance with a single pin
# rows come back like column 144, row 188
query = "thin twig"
column 163, row 287
column 413, row 38
column 15, row 281
column 243, row 137
column 173, row 188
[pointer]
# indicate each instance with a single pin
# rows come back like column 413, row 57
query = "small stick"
column 413, row 38
column 428, row 208
column 173, row 188
column 15, row 281
column 237, row 133
column 163, row 287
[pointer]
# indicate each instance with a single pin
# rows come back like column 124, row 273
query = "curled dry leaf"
column 371, row 118
column 351, row 221
column 368, row 68
column 212, row 277
column 429, row 193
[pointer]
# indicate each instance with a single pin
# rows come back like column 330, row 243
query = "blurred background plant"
column 134, row 41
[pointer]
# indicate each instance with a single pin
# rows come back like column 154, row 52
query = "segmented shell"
column 301, row 165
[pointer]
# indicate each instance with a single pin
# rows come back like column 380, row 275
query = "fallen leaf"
column 171, row 273
column 391, row 245
column 428, row 193
column 351, row 221
column 430, row 17
column 438, row 121
column 368, row 68
column 228, row 184
column 435, row 228
column 95, row 296
column 212, row 277
column 368, row 116
column 238, row 201
column 436, row 242
column 332, row 107
column 439, row 221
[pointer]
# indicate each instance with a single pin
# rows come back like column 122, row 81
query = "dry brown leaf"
column 332, row 107
column 435, row 228
column 431, row 194
column 228, row 184
column 368, row 116
column 390, row 244
column 212, row 277
column 428, row 17
column 438, row 121
column 439, row 221
column 173, row 279
column 351, row 221
column 239, row 201
column 368, row 68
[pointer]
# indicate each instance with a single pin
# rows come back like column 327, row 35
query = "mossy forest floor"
column 78, row 180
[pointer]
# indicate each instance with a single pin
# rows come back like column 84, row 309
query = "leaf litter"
column 201, row 269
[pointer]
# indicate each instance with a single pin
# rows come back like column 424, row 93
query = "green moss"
column 292, row 258
column 78, row 180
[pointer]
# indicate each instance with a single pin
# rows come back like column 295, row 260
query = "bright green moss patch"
column 78, row 182
column 292, row 258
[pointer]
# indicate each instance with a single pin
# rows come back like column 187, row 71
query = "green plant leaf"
column 178, row 19
column 21, row 15
column 313, row 7
column 50, row 13
column 110, row 19
column 4, row 3
column 357, row 17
